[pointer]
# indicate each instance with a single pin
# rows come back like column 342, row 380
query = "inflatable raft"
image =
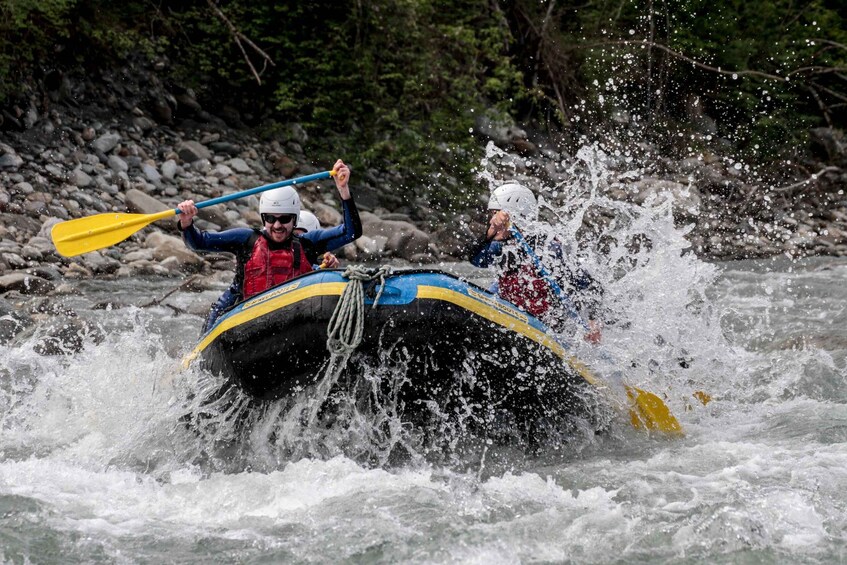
column 458, row 345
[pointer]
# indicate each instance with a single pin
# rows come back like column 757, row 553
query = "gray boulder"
column 12, row 321
column 142, row 203
column 105, row 143
column 25, row 284
column 9, row 159
column 64, row 335
column 403, row 239
column 165, row 246
column 190, row 151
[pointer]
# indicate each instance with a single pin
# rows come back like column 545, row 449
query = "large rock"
column 117, row 164
column 686, row 199
column 169, row 169
column 216, row 215
column 504, row 133
column 142, row 203
column 106, row 142
column 190, row 151
column 12, row 321
column 21, row 223
column 9, row 159
column 371, row 246
column 404, row 239
column 98, row 263
column 327, row 215
column 25, row 284
column 65, row 335
column 457, row 238
column 47, row 227
column 240, row 166
column 80, row 178
column 407, row 243
column 165, row 246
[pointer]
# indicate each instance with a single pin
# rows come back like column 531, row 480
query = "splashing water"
column 661, row 332
column 112, row 455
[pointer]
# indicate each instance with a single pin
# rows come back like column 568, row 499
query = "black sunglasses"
column 281, row 218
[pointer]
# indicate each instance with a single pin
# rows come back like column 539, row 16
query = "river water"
column 97, row 466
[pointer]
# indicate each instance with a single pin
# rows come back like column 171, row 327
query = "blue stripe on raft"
column 400, row 289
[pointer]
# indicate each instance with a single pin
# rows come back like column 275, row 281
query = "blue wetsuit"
column 240, row 241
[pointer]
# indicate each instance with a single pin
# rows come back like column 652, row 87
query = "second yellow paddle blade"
column 75, row 237
column 649, row 411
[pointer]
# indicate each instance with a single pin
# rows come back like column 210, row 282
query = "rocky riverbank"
column 85, row 149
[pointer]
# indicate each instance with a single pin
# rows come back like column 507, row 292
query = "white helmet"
column 283, row 200
column 516, row 199
column 308, row 221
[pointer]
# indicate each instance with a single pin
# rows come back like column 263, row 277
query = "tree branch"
column 817, row 70
column 678, row 55
column 238, row 37
column 813, row 178
column 823, row 107
column 829, row 42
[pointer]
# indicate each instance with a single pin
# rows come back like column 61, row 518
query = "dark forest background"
column 409, row 82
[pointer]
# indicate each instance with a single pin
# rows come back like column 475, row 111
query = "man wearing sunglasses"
column 274, row 254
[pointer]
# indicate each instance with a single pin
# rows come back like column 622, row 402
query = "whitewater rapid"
column 95, row 465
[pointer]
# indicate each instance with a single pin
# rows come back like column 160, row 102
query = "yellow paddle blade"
column 82, row 235
column 650, row 412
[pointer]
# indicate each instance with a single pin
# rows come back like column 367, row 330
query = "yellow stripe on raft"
column 262, row 305
column 509, row 321
column 494, row 312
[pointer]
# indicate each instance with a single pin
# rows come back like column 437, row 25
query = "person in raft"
column 274, row 254
column 307, row 222
column 518, row 279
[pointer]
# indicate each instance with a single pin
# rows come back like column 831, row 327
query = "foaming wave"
column 662, row 331
column 109, row 403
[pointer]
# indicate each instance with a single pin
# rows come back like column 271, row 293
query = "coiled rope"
column 346, row 327
column 347, row 324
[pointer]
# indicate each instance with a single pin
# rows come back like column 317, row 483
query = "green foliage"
column 796, row 42
column 40, row 35
column 27, row 28
column 398, row 78
column 396, row 84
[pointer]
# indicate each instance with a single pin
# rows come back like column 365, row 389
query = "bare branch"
column 238, row 37
column 185, row 284
column 817, row 70
column 543, row 32
column 678, row 55
column 831, row 92
column 829, row 42
column 823, row 107
column 811, row 179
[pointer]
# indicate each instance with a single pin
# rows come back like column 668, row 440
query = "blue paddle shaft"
column 545, row 274
column 258, row 189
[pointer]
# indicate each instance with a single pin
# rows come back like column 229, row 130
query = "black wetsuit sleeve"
column 330, row 239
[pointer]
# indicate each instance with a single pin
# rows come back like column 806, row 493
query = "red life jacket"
column 269, row 267
column 525, row 289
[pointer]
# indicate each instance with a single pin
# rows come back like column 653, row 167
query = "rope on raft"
column 346, row 327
